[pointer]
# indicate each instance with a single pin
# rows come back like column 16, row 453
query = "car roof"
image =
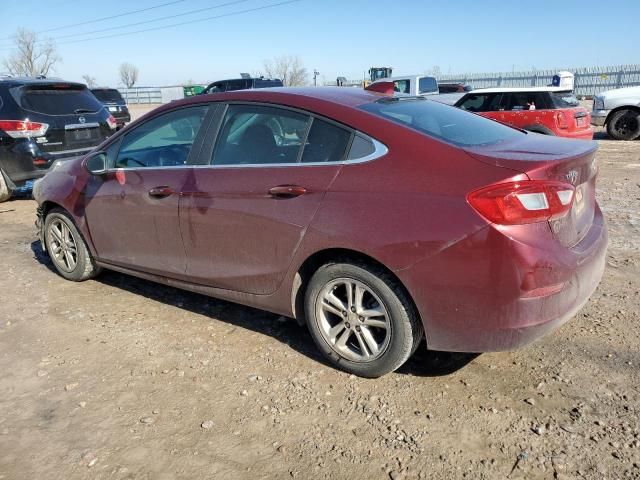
column 519, row 89
column 347, row 96
column 15, row 81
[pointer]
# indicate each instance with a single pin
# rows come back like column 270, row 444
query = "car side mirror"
column 96, row 164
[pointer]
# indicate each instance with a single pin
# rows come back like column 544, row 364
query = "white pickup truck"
column 619, row 111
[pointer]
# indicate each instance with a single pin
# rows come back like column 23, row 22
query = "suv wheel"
column 361, row 320
column 5, row 191
column 624, row 125
column 67, row 248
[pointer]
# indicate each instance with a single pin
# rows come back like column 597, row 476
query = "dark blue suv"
column 44, row 120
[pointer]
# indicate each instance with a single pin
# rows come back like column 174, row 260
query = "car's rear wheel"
column 624, row 125
column 67, row 248
column 5, row 191
column 361, row 319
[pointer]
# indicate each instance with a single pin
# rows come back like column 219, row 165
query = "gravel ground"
column 119, row 378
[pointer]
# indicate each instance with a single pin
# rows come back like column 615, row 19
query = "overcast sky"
column 336, row 37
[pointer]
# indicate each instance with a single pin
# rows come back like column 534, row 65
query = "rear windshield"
column 260, row 83
column 442, row 121
column 59, row 99
column 427, row 85
column 564, row 100
column 108, row 95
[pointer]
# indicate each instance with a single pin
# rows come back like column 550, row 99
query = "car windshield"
column 442, row 121
column 108, row 95
column 564, row 100
column 57, row 99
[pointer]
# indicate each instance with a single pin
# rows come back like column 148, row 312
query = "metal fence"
column 588, row 81
column 151, row 94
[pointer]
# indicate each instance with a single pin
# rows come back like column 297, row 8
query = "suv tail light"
column 23, row 128
column 529, row 201
column 112, row 122
column 561, row 120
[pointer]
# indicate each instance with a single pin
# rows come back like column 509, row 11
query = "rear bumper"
column 599, row 117
column 586, row 134
column 490, row 292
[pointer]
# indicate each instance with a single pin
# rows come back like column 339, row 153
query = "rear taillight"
column 112, row 122
column 23, row 128
column 528, row 201
column 561, row 120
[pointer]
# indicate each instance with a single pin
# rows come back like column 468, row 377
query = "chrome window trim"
column 380, row 150
column 76, row 126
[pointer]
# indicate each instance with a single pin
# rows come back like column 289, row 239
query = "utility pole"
column 315, row 77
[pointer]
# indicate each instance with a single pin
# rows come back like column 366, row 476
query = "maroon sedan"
column 377, row 221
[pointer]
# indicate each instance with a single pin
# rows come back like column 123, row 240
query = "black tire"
column 624, row 125
column 5, row 191
column 404, row 331
column 84, row 266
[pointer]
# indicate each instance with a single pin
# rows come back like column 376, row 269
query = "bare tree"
column 89, row 80
column 32, row 57
column 287, row 68
column 128, row 74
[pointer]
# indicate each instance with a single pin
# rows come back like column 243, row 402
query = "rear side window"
column 108, row 95
column 325, row 143
column 57, row 99
column 442, row 121
column 261, row 83
column 236, row 85
column 428, row 85
column 564, row 100
column 525, row 101
column 361, row 147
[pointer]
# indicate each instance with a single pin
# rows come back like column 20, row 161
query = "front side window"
column 402, row 86
column 236, row 85
column 441, row 121
column 164, row 141
column 256, row 134
column 480, row 102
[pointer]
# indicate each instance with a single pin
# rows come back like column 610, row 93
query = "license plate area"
column 81, row 133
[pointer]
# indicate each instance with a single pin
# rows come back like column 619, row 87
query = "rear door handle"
column 287, row 191
column 161, row 192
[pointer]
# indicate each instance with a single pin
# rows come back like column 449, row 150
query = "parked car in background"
column 619, row 111
column 453, row 87
column 414, row 85
column 44, row 120
column 242, row 84
column 375, row 220
column 113, row 101
column 545, row 110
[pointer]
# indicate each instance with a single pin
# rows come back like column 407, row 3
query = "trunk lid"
column 550, row 158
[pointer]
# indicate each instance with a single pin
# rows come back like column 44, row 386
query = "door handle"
column 287, row 191
column 161, row 192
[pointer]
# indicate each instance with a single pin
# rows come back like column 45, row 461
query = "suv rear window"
column 442, row 121
column 108, row 95
column 58, row 99
column 262, row 83
column 564, row 100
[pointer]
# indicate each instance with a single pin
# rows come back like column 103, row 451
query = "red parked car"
column 545, row 110
column 377, row 221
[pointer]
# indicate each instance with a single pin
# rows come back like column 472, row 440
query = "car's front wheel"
column 5, row 191
column 67, row 249
column 624, row 125
column 361, row 319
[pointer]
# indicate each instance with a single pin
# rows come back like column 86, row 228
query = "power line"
column 191, row 12
column 230, row 14
column 132, row 12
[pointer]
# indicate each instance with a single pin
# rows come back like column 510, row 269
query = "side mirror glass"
column 96, row 164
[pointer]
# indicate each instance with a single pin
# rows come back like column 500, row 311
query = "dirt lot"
column 119, row 378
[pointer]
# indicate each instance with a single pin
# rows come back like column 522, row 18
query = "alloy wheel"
column 62, row 245
column 353, row 320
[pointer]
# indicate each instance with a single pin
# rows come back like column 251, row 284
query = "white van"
column 414, row 85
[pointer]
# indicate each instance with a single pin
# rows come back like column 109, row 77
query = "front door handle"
column 287, row 191
column 161, row 192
